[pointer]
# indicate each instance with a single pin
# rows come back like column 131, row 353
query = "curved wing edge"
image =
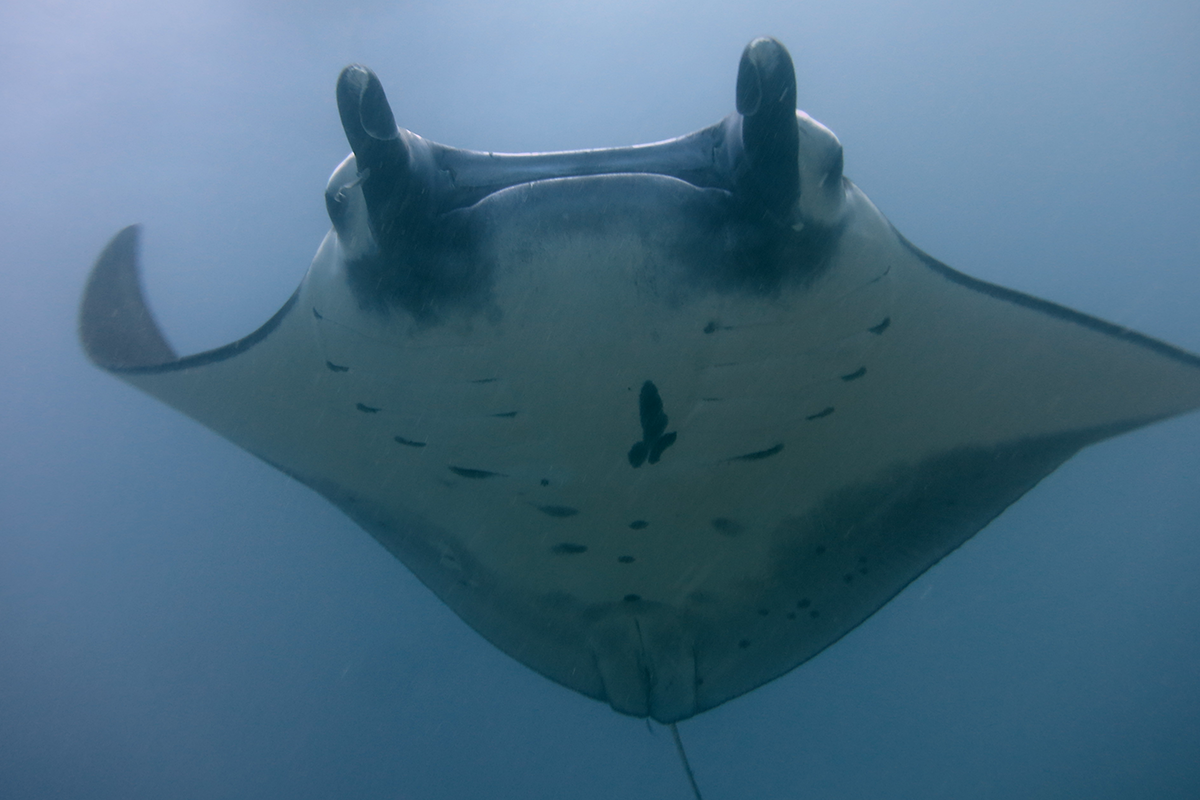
column 1052, row 309
column 116, row 327
column 118, row 330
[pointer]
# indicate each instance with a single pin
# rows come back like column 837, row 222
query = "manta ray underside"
column 661, row 422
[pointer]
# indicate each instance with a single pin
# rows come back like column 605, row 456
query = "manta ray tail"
column 687, row 767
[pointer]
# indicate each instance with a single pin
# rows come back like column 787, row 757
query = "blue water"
column 179, row 620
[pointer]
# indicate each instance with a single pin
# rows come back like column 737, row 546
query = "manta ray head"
column 747, row 204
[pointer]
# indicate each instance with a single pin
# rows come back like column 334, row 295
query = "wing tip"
column 116, row 327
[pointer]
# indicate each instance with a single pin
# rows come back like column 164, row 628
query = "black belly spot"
column 568, row 549
column 744, row 643
column 853, row 376
column 475, row 474
column 409, row 442
column 638, row 524
column 805, row 603
column 625, row 559
column 506, row 414
column 632, row 598
column 558, row 511
column 655, row 439
column 758, row 455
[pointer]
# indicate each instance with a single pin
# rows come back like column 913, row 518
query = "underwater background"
column 178, row 619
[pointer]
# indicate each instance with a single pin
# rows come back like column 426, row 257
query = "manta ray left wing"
column 660, row 422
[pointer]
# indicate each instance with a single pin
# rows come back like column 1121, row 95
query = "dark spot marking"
column 568, row 549
column 762, row 612
column 863, row 570
column 507, row 414
column 848, row 577
column 625, row 559
column 558, row 511
column 477, row 474
column 545, row 482
column 805, row 603
column 632, row 598
column 656, row 449
column 366, row 409
column 654, row 425
column 853, row 376
column 638, row 524
column 820, row 549
column 336, row 367
column 409, row 442
column 814, row 613
column 744, row 643
column 791, row 615
column 316, row 313
column 758, row 455
column 881, row 327
column 862, row 559
column 726, row 526
column 712, row 326
column 824, row 412
column 710, row 399
column 485, row 380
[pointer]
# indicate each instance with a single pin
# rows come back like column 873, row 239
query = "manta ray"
column 660, row 422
